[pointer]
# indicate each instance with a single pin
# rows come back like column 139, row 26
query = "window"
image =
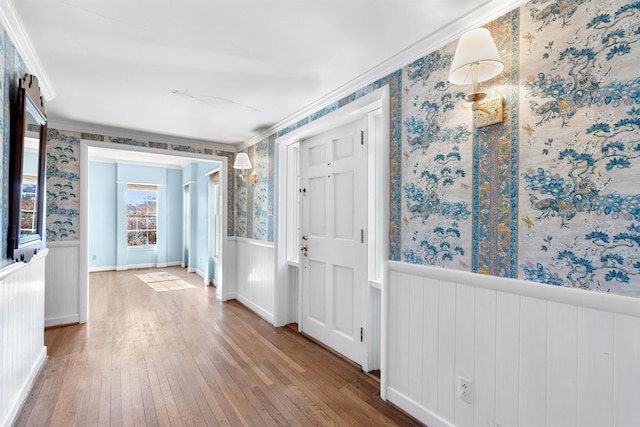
column 142, row 215
column 28, row 206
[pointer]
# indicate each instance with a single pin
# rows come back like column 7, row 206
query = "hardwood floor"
column 181, row 357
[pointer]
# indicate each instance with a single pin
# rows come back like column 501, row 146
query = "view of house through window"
column 28, row 207
column 142, row 215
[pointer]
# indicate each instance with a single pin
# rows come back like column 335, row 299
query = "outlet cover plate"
column 465, row 390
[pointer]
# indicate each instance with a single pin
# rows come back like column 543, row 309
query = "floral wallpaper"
column 254, row 202
column 63, row 178
column 580, row 142
column 13, row 69
column 63, row 185
column 547, row 195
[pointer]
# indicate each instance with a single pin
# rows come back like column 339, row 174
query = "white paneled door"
column 333, row 251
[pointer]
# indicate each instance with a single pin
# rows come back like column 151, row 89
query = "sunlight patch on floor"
column 162, row 282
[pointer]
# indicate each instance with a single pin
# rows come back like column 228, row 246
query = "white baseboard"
column 99, row 269
column 62, row 320
column 139, row 266
column 416, row 410
column 134, row 266
column 253, row 307
column 25, row 389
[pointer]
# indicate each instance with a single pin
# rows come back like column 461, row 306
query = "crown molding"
column 13, row 25
column 438, row 38
column 104, row 130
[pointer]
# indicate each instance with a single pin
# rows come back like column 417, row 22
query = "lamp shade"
column 475, row 47
column 242, row 161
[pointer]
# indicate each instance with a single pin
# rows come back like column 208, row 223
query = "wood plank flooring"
column 182, row 358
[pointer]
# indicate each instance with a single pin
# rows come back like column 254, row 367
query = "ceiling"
column 219, row 71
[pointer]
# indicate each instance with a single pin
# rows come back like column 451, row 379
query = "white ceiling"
column 215, row 70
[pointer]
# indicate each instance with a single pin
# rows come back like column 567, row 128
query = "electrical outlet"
column 465, row 390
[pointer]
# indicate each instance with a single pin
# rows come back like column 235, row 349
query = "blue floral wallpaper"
column 580, row 142
column 63, row 178
column 254, row 203
column 13, row 69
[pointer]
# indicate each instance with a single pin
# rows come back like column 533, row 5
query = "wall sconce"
column 477, row 59
column 243, row 163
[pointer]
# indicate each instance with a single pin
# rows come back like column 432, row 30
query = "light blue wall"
column 174, row 212
column 108, row 227
column 196, row 174
column 102, row 214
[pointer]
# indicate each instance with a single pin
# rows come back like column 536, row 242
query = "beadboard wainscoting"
column 536, row 355
column 22, row 350
column 62, row 279
column 255, row 276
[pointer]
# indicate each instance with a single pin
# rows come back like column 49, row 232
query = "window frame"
column 140, row 188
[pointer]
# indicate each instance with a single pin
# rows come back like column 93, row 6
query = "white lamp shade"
column 475, row 47
column 242, row 161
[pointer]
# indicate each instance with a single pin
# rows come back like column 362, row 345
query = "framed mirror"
column 27, row 171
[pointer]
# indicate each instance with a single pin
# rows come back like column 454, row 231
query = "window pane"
column 142, row 223
column 28, row 202
column 142, row 237
column 151, row 223
column 26, row 220
column 132, row 223
column 132, row 239
column 29, row 188
column 151, row 207
column 152, row 237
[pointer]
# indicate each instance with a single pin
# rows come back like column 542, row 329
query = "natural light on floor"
column 161, row 282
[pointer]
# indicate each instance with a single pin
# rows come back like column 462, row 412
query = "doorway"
column 144, row 154
column 374, row 111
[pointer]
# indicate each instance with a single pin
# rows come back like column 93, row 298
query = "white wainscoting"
column 537, row 355
column 255, row 276
column 62, row 283
column 22, row 350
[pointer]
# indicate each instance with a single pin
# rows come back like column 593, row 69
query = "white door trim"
column 283, row 295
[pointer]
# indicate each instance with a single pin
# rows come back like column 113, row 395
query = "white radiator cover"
column 537, row 355
column 22, row 350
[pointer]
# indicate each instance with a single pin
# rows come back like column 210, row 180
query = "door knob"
column 305, row 237
column 304, row 249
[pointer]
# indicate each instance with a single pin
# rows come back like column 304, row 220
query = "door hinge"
column 362, row 235
column 361, row 334
column 361, row 137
